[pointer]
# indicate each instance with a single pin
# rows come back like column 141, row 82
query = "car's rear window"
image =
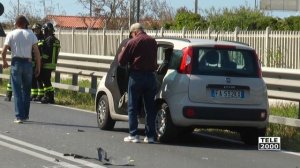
column 224, row 62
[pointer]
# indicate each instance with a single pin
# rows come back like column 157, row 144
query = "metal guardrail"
column 93, row 67
column 282, row 83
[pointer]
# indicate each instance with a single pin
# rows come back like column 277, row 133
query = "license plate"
column 221, row 93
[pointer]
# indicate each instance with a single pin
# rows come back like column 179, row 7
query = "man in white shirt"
column 21, row 41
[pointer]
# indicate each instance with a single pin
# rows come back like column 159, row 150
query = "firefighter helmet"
column 48, row 28
column 36, row 26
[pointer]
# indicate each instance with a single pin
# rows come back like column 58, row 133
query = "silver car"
column 202, row 84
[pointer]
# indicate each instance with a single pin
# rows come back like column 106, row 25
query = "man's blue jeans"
column 21, row 78
column 141, row 86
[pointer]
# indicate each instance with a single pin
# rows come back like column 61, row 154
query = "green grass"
column 75, row 99
column 290, row 136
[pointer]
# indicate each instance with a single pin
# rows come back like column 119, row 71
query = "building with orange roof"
column 76, row 22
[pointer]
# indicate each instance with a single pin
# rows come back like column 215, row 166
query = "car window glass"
column 225, row 62
column 160, row 54
column 175, row 59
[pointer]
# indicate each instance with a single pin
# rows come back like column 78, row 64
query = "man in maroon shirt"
column 141, row 55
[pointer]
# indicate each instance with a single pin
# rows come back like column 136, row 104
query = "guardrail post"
column 75, row 79
column 57, row 77
column 94, row 83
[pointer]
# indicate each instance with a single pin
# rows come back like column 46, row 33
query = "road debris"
column 104, row 158
column 110, row 160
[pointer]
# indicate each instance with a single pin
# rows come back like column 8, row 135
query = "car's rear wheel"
column 105, row 122
column 250, row 135
column 165, row 129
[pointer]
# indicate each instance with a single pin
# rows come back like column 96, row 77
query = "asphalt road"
column 53, row 131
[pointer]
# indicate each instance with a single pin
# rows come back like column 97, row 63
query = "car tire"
column 186, row 131
column 164, row 127
column 104, row 120
column 250, row 135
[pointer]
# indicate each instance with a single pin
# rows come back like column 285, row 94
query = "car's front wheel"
column 165, row 129
column 105, row 122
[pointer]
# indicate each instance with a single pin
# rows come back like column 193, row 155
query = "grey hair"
column 136, row 26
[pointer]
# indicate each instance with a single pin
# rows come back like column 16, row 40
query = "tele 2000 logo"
column 269, row 143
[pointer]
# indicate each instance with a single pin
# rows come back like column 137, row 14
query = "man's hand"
column 37, row 71
column 5, row 64
column 3, row 54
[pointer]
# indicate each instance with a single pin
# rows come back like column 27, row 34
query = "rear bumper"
column 229, row 114
column 218, row 115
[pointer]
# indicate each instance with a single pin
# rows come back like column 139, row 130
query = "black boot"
column 38, row 98
column 48, row 98
column 45, row 99
column 8, row 96
column 33, row 97
column 51, row 97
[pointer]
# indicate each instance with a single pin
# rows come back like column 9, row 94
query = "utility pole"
column 196, row 6
column 138, row 11
column 91, row 8
column 18, row 8
column 129, row 15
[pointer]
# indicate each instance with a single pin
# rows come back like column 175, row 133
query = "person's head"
column 21, row 22
column 36, row 28
column 48, row 29
column 135, row 29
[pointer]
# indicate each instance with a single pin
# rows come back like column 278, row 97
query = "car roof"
column 180, row 43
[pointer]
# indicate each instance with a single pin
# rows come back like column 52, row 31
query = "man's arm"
column 3, row 54
column 37, row 57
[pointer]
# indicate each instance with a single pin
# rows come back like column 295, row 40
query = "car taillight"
column 186, row 62
column 189, row 112
column 259, row 71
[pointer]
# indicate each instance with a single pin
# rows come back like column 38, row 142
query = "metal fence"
column 279, row 49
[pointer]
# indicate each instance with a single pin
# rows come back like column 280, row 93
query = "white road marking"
column 51, row 152
column 72, row 108
column 291, row 153
column 38, row 155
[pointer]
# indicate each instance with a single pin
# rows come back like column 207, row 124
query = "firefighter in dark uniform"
column 37, row 91
column 50, row 51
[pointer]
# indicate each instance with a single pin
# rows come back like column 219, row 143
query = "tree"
column 27, row 9
column 245, row 18
column 116, row 12
column 292, row 23
column 188, row 19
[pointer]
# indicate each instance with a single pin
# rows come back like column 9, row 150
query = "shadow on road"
column 202, row 140
column 208, row 141
column 58, row 124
